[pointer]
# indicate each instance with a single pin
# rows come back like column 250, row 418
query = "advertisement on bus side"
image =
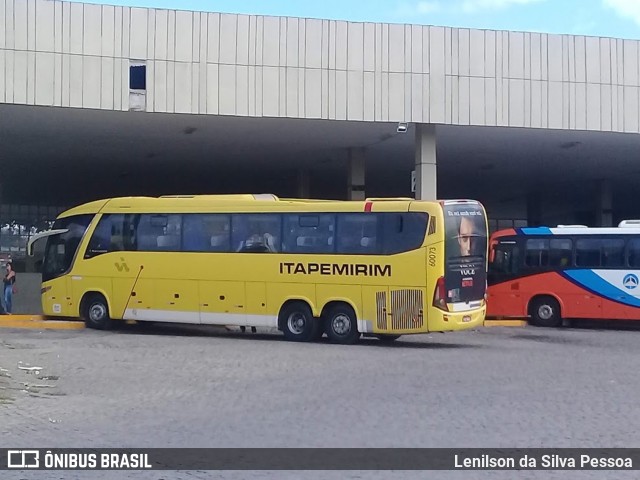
column 465, row 250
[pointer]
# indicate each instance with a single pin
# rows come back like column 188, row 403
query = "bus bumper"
column 446, row 321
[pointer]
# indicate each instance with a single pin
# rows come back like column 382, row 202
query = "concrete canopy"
column 68, row 156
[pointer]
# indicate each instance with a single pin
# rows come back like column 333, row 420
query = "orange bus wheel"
column 545, row 312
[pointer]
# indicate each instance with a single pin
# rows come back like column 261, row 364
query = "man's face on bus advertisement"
column 465, row 236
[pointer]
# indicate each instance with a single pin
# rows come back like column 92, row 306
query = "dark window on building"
column 255, row 233
column 560, row 252
column 206, row 233
column 138, row 77
column 536, row 252
column 309, row 233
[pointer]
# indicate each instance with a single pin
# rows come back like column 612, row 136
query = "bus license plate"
column 466, row 319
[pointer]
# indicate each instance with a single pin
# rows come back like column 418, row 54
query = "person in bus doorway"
column 8, row 281
column 466, row 233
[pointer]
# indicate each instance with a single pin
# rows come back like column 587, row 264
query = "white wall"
column 77, row 55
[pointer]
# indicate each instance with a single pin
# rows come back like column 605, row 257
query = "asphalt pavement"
column 171, row 386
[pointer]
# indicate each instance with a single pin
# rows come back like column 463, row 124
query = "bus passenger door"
column 506, row 292
column 222, row 303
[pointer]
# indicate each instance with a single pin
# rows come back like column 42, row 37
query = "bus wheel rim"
column 545, row 312
column 97, row 312
column 341, row 324
column 296, row 322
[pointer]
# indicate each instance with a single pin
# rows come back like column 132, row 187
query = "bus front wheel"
column 298, row 323
column 545, row 312
column 341, row 325
column 95, row 312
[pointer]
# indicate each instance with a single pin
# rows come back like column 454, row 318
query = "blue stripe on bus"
column 536, row 230
column 593, row 282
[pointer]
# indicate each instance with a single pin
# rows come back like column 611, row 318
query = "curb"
column 505, row 323
column 38, row 322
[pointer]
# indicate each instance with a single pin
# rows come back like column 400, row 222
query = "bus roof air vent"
column 266, row 196
column 629, row 223
column 389, row 199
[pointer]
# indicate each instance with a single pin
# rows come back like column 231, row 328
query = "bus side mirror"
column 41, row 236
column 492, row 252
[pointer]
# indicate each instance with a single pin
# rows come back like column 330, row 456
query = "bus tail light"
column 440, row 295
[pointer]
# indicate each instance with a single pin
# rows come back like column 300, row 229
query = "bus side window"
column 560, row 252
column 101, row 239
column 256, row 233
column 204, row 232
column 308, row 233
column 505, row 259
column 588, row 252
column 357, row 233
column 634, row 253
column 536, row 252
column 612, row 252
column 157, row 232
column 403, row 232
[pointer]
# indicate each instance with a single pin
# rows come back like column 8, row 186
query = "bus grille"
column 381, row 309
column 406, row 309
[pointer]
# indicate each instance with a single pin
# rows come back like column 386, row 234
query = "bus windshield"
column 465, row 251
column 61, row 249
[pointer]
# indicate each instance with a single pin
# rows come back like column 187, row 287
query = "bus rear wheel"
column 341, row 324
column 545, row 312
column 95, row 312
column 298, row 323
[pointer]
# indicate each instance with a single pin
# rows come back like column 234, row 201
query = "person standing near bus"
column 8, row 281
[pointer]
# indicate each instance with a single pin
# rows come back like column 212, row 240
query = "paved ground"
column 191, row 387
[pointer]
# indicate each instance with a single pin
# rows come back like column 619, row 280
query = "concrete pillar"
column 604, row 207
column 304, row 183
column 356, row 174
column 426, row 166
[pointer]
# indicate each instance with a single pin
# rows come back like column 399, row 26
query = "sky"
column 608, row 18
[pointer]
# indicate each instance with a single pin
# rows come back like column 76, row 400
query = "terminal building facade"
column 100, row 101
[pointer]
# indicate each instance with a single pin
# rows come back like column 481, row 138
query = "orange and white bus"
column 568, row 272
column 382, row 267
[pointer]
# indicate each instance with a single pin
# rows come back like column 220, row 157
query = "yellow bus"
column 382, row 267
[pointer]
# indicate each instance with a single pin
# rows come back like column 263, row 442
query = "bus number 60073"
column 432, row 256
